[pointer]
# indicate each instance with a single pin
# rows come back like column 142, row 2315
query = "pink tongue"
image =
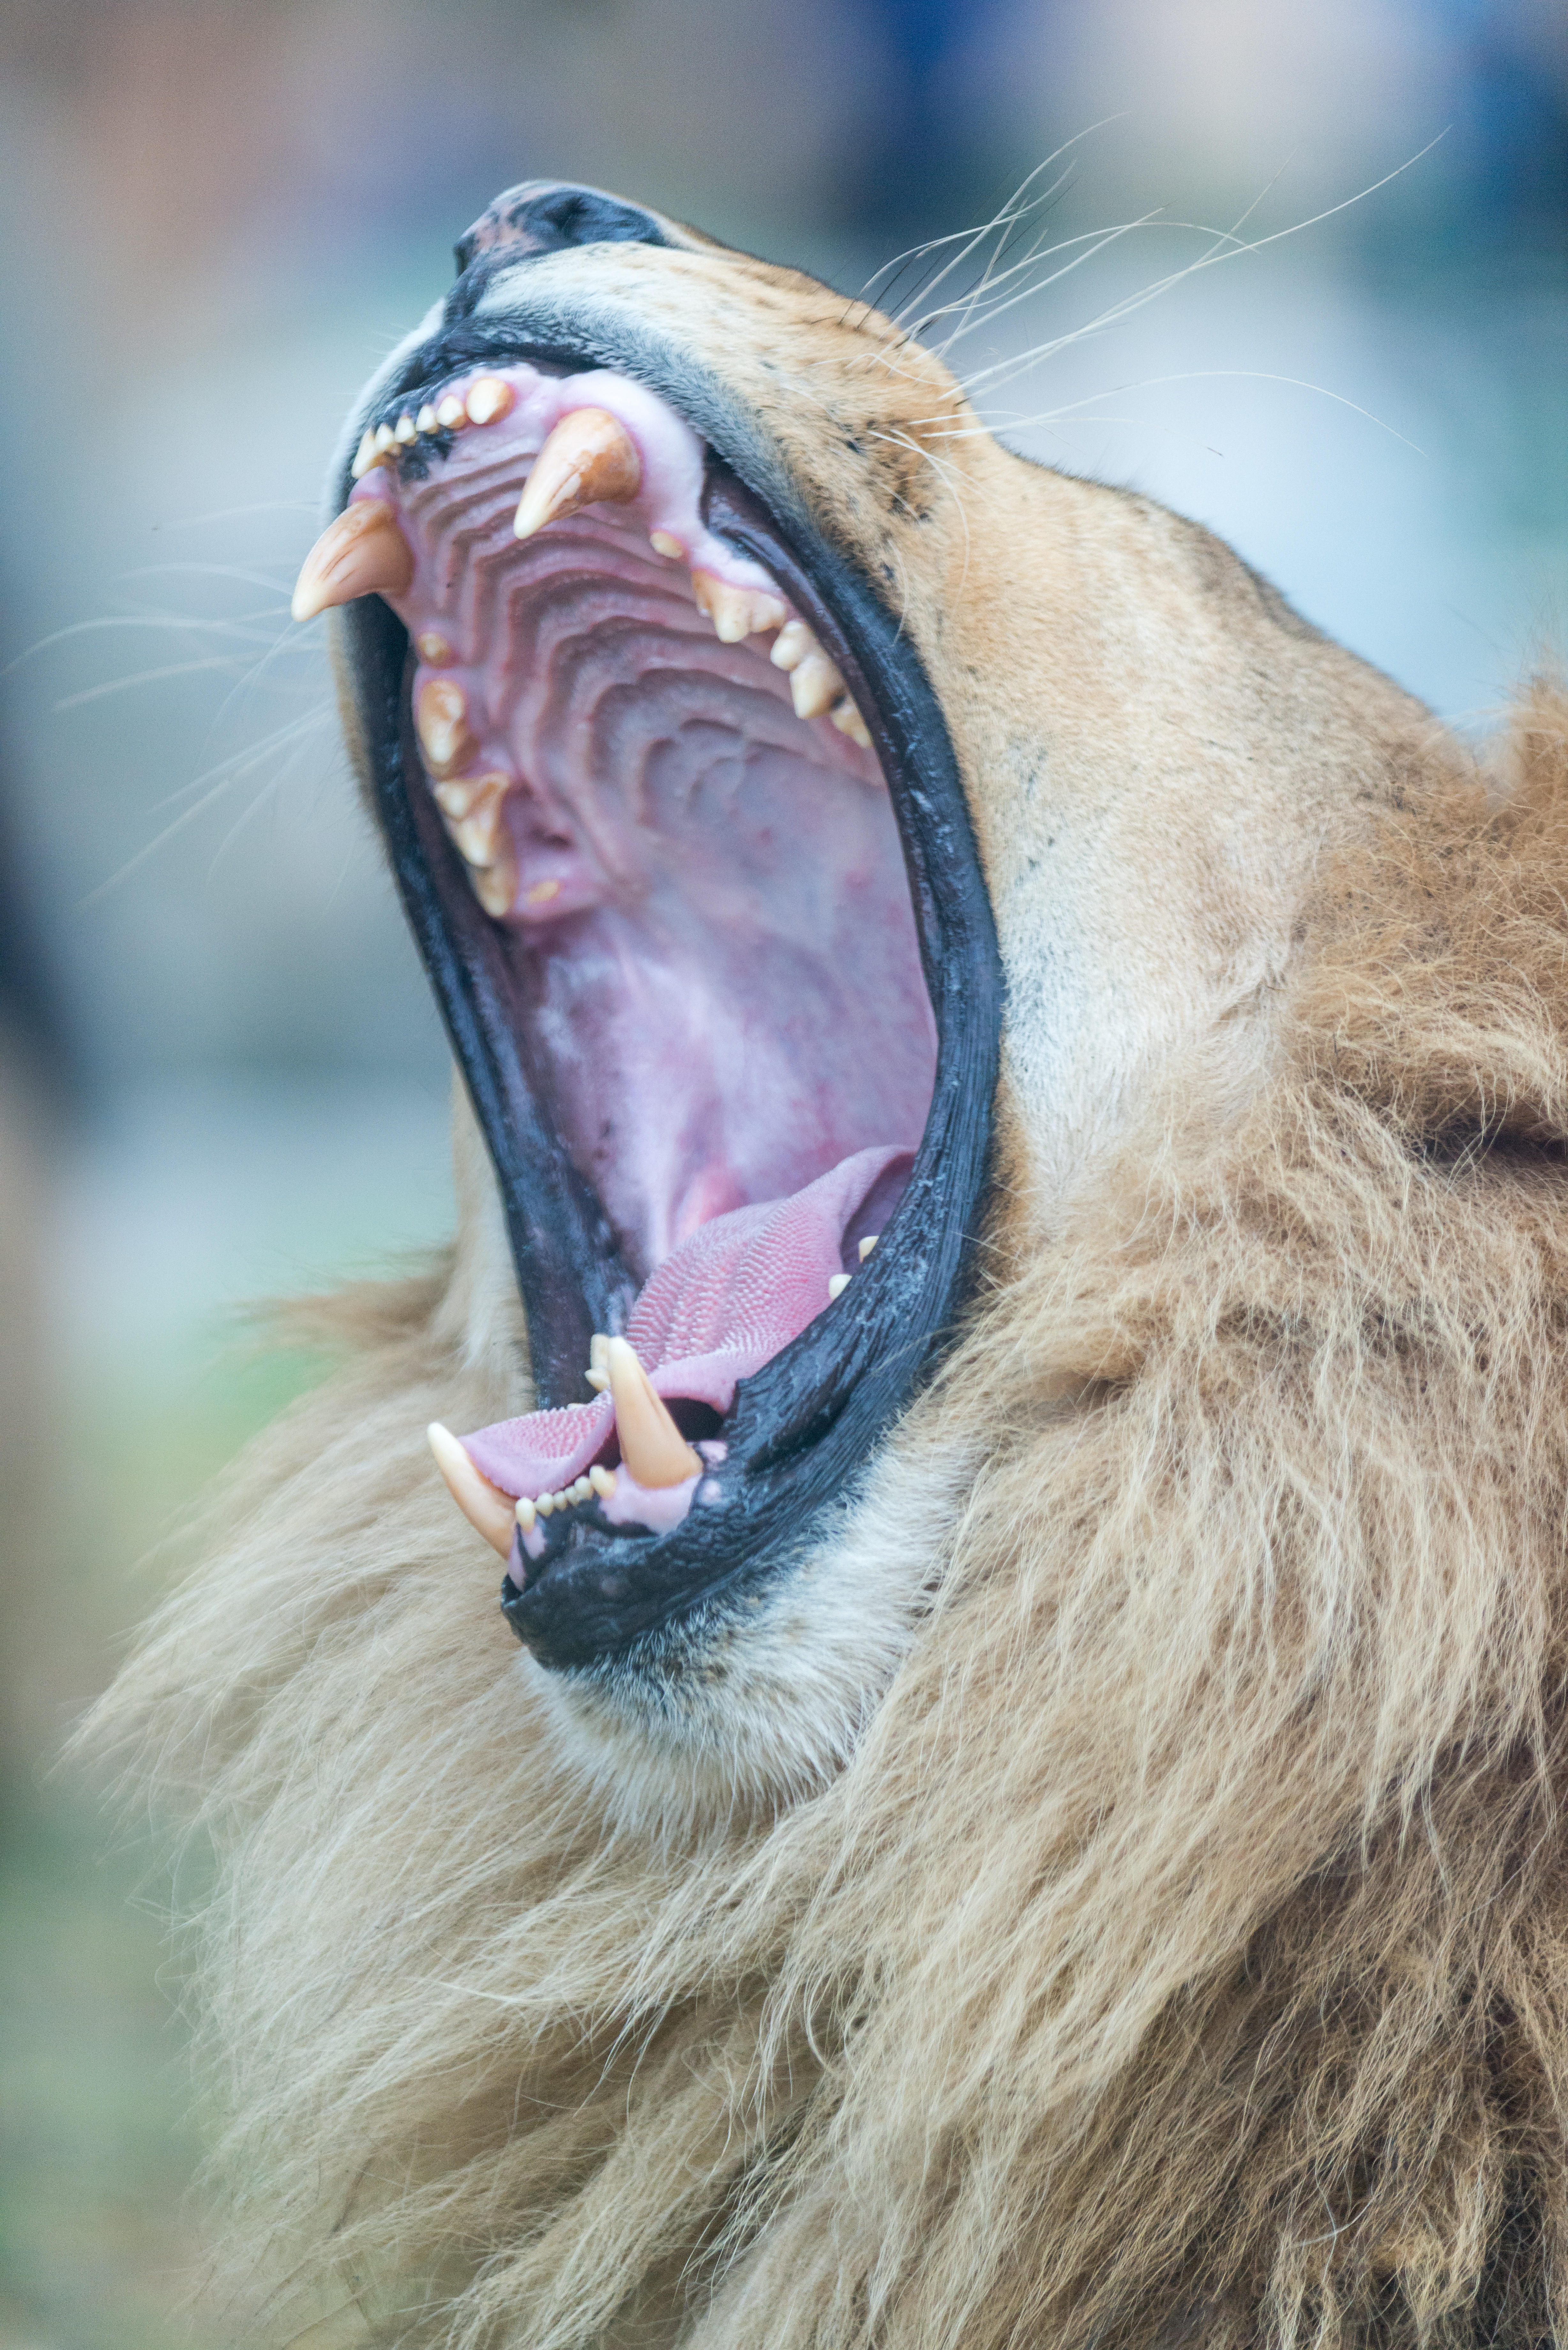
column 739, row 1290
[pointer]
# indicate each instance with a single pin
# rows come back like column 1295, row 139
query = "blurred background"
column 219, row 1074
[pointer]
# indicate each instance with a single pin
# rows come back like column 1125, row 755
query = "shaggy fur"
column 1162, row 1935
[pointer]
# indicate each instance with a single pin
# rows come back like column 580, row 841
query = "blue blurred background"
column 219, row 1074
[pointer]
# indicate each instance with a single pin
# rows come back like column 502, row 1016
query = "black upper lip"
column 802, row 1428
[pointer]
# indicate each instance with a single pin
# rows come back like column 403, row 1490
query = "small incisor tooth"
column 526, row 1513
column 489, row 399
column 815, row 685
column 488, row 1511
column 736, row 612
column 837, row 1282
column 441, row 717
column 652, row 1448
column 865, row 1247
column 589, row 459
column 363, row 553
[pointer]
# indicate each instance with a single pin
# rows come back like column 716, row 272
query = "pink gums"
column 718, row 985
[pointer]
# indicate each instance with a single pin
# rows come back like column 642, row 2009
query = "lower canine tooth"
column 488, row 1510
column 602, row 1480
column 363, row 553
column 654, row 1451
column 588, row 458
column 736, row 612
column 815, row 686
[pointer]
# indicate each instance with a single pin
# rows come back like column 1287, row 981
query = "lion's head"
column 1004, row 1321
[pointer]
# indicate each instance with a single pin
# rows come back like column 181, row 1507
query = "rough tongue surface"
column 736, row 1292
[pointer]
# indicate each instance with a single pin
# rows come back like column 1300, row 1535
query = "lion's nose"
column 543, row 215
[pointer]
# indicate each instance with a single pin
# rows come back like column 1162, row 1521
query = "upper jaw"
column 801, row 1428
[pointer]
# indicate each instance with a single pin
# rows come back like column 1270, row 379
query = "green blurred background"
column 220, row 1077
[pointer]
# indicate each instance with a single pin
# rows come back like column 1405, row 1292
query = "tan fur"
column 1157, row 1930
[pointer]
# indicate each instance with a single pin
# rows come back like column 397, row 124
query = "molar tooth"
column 488, row 1510
column 433, row 648
column 426, row 419
column 588, row 458
column 815, row 685
column 473, row 805
column 495, row 886
column 526, row 1513
column 405, row 433
column 837, row 1282
column 866, row 1245
column 451, row 413
column 794, row 642
column 602, row 1480
column 363, row 553
column 489, row 399
column 651, row 1446
column 542, row 893
column 663, row 544
column 441, row 719
column 849, row 721
column 736, row 612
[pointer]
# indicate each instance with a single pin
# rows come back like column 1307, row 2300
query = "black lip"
column 802, row 1428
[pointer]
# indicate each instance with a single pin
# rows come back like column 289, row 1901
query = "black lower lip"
column 801, row 1429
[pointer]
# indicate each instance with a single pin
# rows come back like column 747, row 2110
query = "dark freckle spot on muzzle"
column 547, row 215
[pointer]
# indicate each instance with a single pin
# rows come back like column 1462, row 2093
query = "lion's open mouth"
column 653, row 822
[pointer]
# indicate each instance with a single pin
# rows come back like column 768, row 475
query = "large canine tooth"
column 589, row 458
column 363, row 553
column 815, row 686
column 440, row 718
column 651, row 1446
column 488, row 1511
column 736, row 612
column 602, row 1480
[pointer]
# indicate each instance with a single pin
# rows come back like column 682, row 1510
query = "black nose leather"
column 543, row 215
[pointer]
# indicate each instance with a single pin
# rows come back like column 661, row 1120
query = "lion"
column 1007, row 1319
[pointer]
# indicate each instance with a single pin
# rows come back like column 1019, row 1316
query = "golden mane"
column 1181, row 1949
